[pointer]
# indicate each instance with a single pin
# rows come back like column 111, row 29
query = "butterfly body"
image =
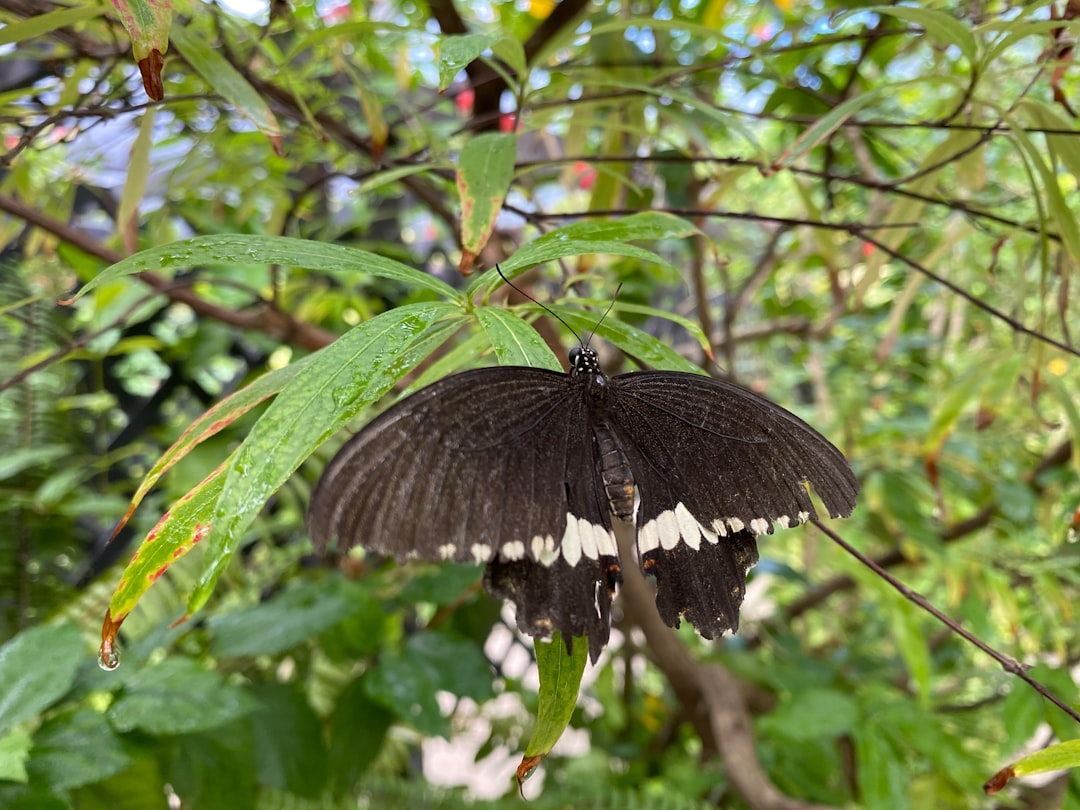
column 522, row 470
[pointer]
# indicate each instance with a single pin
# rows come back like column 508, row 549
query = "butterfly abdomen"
column 615, row 473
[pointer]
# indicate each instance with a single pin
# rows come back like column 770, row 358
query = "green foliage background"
column 868, row 213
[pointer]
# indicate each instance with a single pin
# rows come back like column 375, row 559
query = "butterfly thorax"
column 613, row 466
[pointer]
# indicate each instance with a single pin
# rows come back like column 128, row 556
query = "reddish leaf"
column 179, row 529
column 214, row 420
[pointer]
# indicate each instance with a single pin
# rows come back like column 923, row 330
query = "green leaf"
column 485, row 169
column 548, row 250
column 345, row 377
column 358, row 727
column 288, row 619
column 247, row 249
column 560, row 681
column 959, row 394
column 289, row 751
column 649, row 350
column 14, row 752
column 214, row 769
column 178, row 696
column 37, row 668
column 212, row 421
column 14, row 461
column 516, row 343
column 904, row 618
column 644, row 225
column 406, row 681
column 510, row 50
column 941, row 26
column 1052, row 758
column 186, row 523
column 827, row 124
column 813, row 714
column 456, row 52
column 1055, row 200
column 1068, row 407
column 226, row 81
column 138, row 171
column 75, row 749
column 39, row 25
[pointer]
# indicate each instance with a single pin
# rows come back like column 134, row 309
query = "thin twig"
column 1008, row 663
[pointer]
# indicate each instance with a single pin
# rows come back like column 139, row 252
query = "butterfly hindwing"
column 570, row 585
column 715, row 466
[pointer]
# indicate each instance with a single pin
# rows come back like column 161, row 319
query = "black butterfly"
column 521, row 469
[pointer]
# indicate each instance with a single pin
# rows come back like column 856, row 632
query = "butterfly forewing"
column 474, row 461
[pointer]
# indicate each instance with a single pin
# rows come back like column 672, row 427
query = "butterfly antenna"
column 542, row 306
column 607, row 312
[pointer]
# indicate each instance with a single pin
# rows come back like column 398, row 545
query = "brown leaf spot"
column 466, row 265
column 154, row 577
column 526, row 769
column 998, row 780
column 150, row 67
column 201, row 530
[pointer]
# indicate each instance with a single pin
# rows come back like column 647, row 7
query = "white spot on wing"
column 648, row 538
column 668, row 526
column 587, row 532
column 803, row 517
column 689, row 528
column 759, row 526
column 447, row 551
column 514, row 550
column 719, row 527
column 784, row 521
column 543, row 549
column 736, row 524
column 481, row 552
column 571, row 541
column 605, row 542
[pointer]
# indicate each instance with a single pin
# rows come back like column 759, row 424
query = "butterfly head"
column 584, row 360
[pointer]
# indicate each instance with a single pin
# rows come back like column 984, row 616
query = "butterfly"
column 523, row 470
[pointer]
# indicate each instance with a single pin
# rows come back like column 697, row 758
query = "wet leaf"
column 76, row 749
column 248, row 249
column 343, row 379
column 516, row 342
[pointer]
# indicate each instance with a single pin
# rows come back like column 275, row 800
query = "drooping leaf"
column 560, row 680
column 485, row 169
column 219, row 416
column 246, row 249
column 345, row 377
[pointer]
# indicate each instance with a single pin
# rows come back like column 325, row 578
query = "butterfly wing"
column 716, row 465
column 489, row 466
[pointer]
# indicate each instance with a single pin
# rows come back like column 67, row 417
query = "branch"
column 711, row 695
column 1057, row 457
column 267, row 318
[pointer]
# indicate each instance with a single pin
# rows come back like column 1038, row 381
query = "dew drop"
column 109, row 657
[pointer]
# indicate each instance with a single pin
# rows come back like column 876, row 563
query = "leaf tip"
column 150, row 68
column 998, row 780
column 109, row 652
column 527, row 768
